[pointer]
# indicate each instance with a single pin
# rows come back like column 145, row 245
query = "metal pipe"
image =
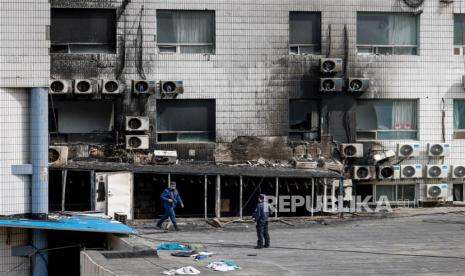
column 64, row 175
column 341, row 197
column 205, row 197
column 39, row 158
column 313, row 196
column 277, row 196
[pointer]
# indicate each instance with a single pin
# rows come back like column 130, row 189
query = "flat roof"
column 202, row 169
column 79, row 223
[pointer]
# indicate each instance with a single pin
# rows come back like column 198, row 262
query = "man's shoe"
column 258, row 247
column 266, row 246
column 176, row 228
column 159, row 226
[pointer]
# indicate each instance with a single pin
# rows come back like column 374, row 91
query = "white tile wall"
column 24, row 58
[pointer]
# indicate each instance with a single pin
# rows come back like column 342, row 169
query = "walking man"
column 261, row 218
column 170, row 198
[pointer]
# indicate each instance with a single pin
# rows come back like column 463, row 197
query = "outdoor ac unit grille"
column 331, row 65
column 60, row 86
column 140, row 87
column 362, row 172
column 134, row 123
column 358, row 84
column 83, row 86
column 328, row 66
column 350, row 150
column 134, row 142
column 57, row 86
column 406, row 150
column 459, row 171
column 111, row 87
column 434, row 171
column 436, row 149
column 409, row 171
column 53, row 155
column 386, row 172
column 434, row 191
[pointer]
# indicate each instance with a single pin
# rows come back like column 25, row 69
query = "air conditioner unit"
column 164, row 157
column 111, row 87
column 140, row 87
column 134, row 142
column 137, row 123
column 437, row 150
column 358, row 84
column 331, row 84
column 363, row 172
column 61, row 86
column 436, row 191
column 171, row 87
column 437, row 171
column 408, row 150
column 331, row 65
column 57, row 155
column 458, row 171
column 411, row 171
column 389, row 172
column 85, row 86
column 352, row 150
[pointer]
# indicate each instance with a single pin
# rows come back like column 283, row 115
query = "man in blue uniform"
column 261, row 214
column 170, row 198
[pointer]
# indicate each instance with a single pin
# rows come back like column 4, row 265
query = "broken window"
column 83, row 30
column 386, row 119
column 459, row 119
column 304, row 32
column 459, row 34
column 406, row 193
column 185, row 120
column 304, row 120
column 387, row 33
column 82, row 116
column 180, row 31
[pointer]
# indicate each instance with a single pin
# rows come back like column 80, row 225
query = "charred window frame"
column 304, row 119
column 386, row 119
column 185, row 121
column 304, row 33
column 83, row 30
column 400, row 193
column 459, row 34
column 186, row 31
column 387, row 33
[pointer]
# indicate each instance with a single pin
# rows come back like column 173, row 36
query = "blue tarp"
column 81, row 223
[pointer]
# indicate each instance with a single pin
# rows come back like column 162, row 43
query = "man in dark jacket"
column 170, row 198
column 261, row 218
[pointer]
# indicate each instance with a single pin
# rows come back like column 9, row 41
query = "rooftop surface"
column 416, row 242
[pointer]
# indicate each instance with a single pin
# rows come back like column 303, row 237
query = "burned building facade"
column 377, row 87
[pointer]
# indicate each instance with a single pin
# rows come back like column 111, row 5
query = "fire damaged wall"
column 250, row 74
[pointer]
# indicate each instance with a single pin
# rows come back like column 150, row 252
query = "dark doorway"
column 78, row 194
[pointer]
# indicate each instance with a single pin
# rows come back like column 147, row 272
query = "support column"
column 205, row 195
column 218, row 197
column 39, row 157
column 313, row 196
column 240, row 196
column 277, row 197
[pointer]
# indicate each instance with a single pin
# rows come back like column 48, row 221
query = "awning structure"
column 80, row 223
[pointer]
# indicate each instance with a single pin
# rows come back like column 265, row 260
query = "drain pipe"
column 39, row 157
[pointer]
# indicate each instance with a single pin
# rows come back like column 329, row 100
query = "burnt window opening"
column 386, row 119
column 182, row 31
column 387, row 33
column 186, row 121
column 83, row 30
column 304, row 33
column 304, row 120
column 52, row 120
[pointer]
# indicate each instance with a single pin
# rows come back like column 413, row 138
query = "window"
column 83, row 31
column 304, row 120
column 388, row 191
column 186, row 31
column 459, row 119
column 399, row 193
column 304, row 32
column 459, row 34
column 185, row 120
column 387, row 33
column 386, row 119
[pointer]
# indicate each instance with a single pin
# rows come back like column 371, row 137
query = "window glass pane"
column 186, row 26
column 197, row 49
column 459, row 29
column 405, row 192
column 397, row 135
column 386, row 190
column 84, row 26
column 386, row 29
column 459, row 114
column 186, row 115
column 386, row 115
column 303, row 114
column 304, row 28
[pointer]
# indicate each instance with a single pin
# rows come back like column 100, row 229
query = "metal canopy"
column 79, row 223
